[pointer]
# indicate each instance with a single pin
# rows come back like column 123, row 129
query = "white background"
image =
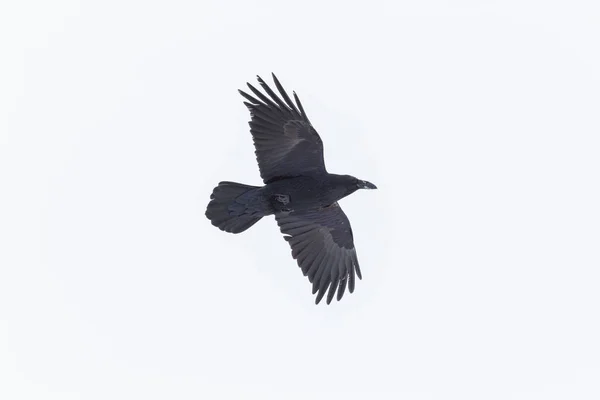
column 478, row 121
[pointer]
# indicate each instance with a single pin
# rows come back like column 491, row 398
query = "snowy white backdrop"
column 478, row 121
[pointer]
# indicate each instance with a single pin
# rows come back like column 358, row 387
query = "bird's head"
column 364, row 184
column 355, row 183
column 348, row 184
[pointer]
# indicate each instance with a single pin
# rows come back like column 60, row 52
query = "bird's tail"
column 233, row 207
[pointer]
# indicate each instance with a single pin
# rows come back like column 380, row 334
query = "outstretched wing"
column 286, row 143
column 322, row 243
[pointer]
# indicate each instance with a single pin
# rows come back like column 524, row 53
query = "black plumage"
column 298, row 190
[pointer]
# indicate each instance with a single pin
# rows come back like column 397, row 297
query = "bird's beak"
column 366, row 185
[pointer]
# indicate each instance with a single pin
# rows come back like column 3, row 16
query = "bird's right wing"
column 286, row 143
column 322, row 243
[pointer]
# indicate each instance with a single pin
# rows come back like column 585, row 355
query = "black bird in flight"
column 298, row 190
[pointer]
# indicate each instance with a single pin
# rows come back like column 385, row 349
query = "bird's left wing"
column 322, row 243
column 285, row 141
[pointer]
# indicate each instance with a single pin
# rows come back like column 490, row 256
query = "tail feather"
column 230, row 208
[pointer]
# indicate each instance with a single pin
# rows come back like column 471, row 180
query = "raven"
column 298, row 190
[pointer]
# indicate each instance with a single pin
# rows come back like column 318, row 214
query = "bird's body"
column 298, row 190
column 306, row 192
